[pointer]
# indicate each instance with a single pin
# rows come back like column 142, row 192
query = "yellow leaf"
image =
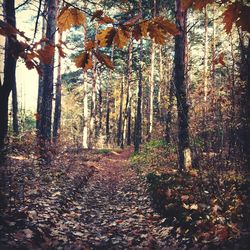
column 194, row 207
column 70, row 17
column 84, row 61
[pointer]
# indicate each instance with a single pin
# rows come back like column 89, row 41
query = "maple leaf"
column 121, row 37
column 104, row 59
column 70, row 17
column 84, row 61
column 96, row 14
column 46, row 54
column 105, row 37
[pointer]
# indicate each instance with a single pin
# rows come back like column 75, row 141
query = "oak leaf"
column 89, row 45
column 140, row 30
column 84, row 61
column 46, row 54
column 121, row 37
column 104, row 59
column 96, row 14
column 105, row 37
column 133, row 20
column 105, row 20
column 70, row 17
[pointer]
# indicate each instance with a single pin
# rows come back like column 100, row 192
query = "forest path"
column 117, row 212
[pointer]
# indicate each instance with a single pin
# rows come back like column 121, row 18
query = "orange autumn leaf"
column 166, row 26
column 46, row 54
column 196, row 4
column 157, row 34
column 84, row 61
column 70, row 17
column 140, row 30
column 200, row 4
column 121, row 37
column 89, row 45
column 104, row 59
column 105, row 37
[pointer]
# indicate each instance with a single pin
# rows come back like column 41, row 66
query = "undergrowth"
column 207, row 206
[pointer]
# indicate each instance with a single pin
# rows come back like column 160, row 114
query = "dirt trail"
column 117, row 212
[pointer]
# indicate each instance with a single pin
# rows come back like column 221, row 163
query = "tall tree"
column 48, row 75
column 152, row 83
column 57, row 112
column 184, row 152
column 9, row 70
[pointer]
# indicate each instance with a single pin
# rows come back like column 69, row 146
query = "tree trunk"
column 85, row 137
column 184, row 151
column 128, row 102
column 9, row 71
column 119, row 127
column 138, row 120
column 40, row 80
column 15, row 110
column 92, row 131
column 247, row 111
column 48, row 76
column 57, row 112
column 107, row 114
column 152, row 73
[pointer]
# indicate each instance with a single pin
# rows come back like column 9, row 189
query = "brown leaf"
column 104, row 59
column 70, row 17
column 133, row 20
column 121, row 37
column 89, row 45
column 105, row 37
column 46, row 54
column 105, row 20
column 84, row 61
column 96, row 14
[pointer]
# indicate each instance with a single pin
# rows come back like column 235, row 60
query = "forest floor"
column 81, row 200
column 104, row 199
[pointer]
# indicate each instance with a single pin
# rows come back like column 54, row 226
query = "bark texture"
column 184, row 152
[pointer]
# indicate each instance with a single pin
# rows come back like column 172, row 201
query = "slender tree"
column 9, row 70
column 48, row 76
column 184, row 152
column 57, row 112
